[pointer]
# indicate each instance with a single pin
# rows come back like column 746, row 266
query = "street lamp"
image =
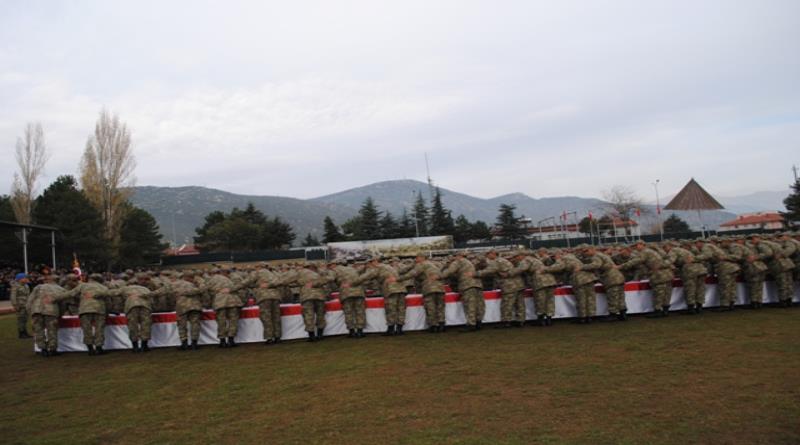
column 658, row 211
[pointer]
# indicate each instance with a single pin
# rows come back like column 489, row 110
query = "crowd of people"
column 44, row 297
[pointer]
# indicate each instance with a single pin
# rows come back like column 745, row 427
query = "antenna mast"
column 430, row 181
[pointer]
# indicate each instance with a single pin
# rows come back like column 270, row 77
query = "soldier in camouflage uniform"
column 19, row 300
column 614, row 284
column 226, row 304
column 726, row 269
column 394, row 294
column 544, row 285
column 470, row 288
column 138, row 309
column 581, row 277
column 692, row 274
column 268, row 299
column 754, row 271
column 188, row 307
column 92, row 310
column 511, row 285
column 429, row 275
column 312, row 297
column 43, row 307
column 659, row 271
column 352, row 298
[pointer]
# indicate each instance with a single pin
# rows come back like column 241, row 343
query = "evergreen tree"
column 140, row 240
column 674, row 224
column 508, row 223
column 481, row 231
column 388, row 226
column 420, row 214
column 462, row 231
column 370, row 220
column 204, row 238
column 406, row 226
column 331, row 231
column 276, row 234
column 352, row 229
column 80, row 225
column 243, row 230
column 792, row 203
column 441, row 219
column 310, row 241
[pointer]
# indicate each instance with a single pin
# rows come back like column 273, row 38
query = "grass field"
column 717, row 378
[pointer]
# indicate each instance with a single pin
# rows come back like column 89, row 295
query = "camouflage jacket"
column 464, row 271
column 506, row 277
column 387, row 277
column 44, row 299
column 429, row 275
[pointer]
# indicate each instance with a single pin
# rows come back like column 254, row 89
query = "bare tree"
column 107, row 172
column 31, row 158
column 623, row 203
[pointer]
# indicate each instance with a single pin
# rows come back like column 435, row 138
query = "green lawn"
column 717, row 378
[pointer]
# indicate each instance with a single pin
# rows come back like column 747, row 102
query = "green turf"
column 716, row 378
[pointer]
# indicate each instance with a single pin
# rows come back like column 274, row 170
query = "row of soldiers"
column 227, row 291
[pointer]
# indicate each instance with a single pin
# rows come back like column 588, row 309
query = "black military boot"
column 351, row 333
column 135, row 346
column 469, row 328
column 223, row 343
column 320, row 331
column 23, row 334
column 91, row 349
column 389, row 331
column 194, row 345
column 231, row 342
column 548, row 321
column 519, row 324
column 145, row 348
column 442, row 327
column 53, row 352
column 44, row 353
column 433, row 328
column 269, row 341
column 665, row 310
column 276, row 340
column 587, row 320
column 398, row 330
column 478, row 325
column 184, row 345
column 99, row 350
column 360, row 333
column 310, row 336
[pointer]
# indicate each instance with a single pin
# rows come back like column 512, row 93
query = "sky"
column 309, row 98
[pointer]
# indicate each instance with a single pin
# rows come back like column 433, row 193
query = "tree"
column 10, row 246
column 481, row 231
column 622, row 202
column 31, row 157
column 310, row 241
column 674, row 224
column 204, row 237
column 352, row 228
column 140, row 240
column 508, row 223
column 420, row 214
column 107, row 173
column 242, row 230
column 441, row 219
column 63, row 206
column 792, row 203
column 406, row 227
column 462, row 232
column 369, row 217
column 276, row 234
column 388, row 227
column 331, row 231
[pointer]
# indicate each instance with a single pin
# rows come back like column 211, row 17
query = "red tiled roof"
column 753, row 218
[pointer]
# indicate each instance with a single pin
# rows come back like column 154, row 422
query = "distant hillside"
column 179, row 210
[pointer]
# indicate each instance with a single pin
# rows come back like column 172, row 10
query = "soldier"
column 544, row 285
column 692, row 273
column 268, row 300
column 726, row 270
column 511, row 285
column 470, row 288
column 393, row 291
column 312, row 298
column 226, row 305
column 659, row 272
column 138, row 309
column 43, row 307
column 614, row 284
column 581, row 277
column 188, row 307
column 351, row 296
column 19, row 300
column 92, row 312
column 429, row 275
column 779, row 267
column 754, row 271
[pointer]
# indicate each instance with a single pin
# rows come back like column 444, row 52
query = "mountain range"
column 179, row 210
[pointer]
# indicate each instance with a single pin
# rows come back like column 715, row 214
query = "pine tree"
column 792, row 203
column 406, row 229
column 140, row 241
column 331, row 231
column 388, row 227
column 310, row 241
column 441, row 218
column 420, row 214
column 508, row 223
column 463, row 229
column 674, row 224
column 481, row 231
column 370, row 216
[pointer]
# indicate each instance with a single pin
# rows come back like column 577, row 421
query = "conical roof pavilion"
column 693, row 197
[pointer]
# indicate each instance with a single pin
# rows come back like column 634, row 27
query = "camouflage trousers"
column 512, row 306
column 694, row 289
column 662, row 294
column 270, row 315
column 395, row 307
column 139, row 324
column 434, row 308
column 615, row 296
column 784, row 282
column 355, row 312
column 754, row 282
column 93, row 335
column 585, row 297
column 227, row 322
column 474, row 305
column 22, row 319
column 45, row 331
column 545, row 301
column 726, row 288
column 314, row 311
column 191, row 318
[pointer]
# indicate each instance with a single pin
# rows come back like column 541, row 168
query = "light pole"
column 658, row 211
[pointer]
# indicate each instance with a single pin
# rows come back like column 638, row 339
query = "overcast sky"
column 308, row 98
